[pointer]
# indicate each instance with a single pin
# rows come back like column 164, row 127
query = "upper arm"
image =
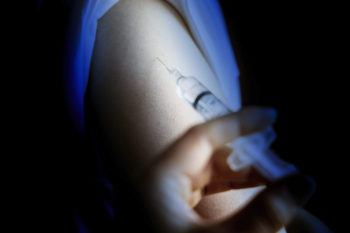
column 132, row 93
column 131, row 89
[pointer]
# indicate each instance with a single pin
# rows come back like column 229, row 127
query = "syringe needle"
column 175, row 74
column 170, row 71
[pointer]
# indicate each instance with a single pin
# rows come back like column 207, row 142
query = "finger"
column 192, row 152
column 217, row 176
column 272, row 209
column 223, row 178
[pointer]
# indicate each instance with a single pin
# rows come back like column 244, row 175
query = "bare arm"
column 133, row 94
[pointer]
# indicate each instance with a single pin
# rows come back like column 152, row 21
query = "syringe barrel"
column 204, row 101
column 249, row 150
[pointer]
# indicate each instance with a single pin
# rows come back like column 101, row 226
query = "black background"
column 289, row 56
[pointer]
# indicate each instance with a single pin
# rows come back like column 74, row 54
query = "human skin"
column 134, row 97
column 146, row 124
column 184, row 169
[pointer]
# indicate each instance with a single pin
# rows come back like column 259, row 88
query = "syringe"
column 250, row 150
column 196, row 94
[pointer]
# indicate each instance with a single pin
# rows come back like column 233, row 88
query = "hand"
column 195, row 165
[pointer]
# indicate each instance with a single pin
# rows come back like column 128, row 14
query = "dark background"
column 289, row 56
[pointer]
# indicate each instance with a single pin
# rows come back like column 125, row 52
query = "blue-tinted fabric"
column 80, row 48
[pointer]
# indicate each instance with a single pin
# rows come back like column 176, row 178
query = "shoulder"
column 136, row 11
column 134, row 33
